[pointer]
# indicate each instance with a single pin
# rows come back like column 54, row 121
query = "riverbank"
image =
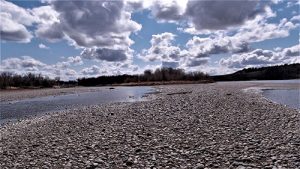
column 12, row 95
column 197, row 125
column 19, row 93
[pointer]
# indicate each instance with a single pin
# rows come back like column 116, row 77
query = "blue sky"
column 72, row 39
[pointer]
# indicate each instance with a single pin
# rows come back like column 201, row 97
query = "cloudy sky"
column 71, row 39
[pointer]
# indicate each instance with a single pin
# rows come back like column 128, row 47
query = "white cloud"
column 13, row 31
column 76, row 60
column 102, row 24
column 162, row 49
column 290, row 52
column 14, row 20
column 101, row 28
column 45, row 15
column 18, row 14
column 204, row 47
column 26, row 64
column 237, row 40
column 94, row 70
column 42, row 46
column 295, row 18
column 168, row 10
column 260, row 57
column 71, row 73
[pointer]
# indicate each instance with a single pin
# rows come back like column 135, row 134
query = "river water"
column 288, row 97
column 11, row 111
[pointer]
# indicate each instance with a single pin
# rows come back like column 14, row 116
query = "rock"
column 138, row 150
column 129, row 163
column 199, row 166
column 99, row 161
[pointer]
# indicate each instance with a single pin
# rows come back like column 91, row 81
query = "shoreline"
column 198, row 125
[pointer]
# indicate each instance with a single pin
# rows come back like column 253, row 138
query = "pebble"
column 199, row 126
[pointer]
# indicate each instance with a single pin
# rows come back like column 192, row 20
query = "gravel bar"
column 185, row 126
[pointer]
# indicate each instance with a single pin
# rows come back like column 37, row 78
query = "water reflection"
column 28, row 107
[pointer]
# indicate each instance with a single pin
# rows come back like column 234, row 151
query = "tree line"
column 8, row 79
column 159, row 75
column 31, row 80
column 280, row 72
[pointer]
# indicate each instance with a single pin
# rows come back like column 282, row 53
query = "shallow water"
column 15, row 110
column 277, row 81
column 288, row 97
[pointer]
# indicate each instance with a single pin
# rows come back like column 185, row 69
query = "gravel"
column 185, row 126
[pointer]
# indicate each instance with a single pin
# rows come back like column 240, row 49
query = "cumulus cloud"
column 25, row 63
column 168, row 10
column 45, row 15
column 101, row 28
column 293, row 51
column 162, row 49
column 51, row 33
column 91, row 24
column 215, row 14
column 238, row 40
column 13, row 31
column 260, row 30
column 94, row 70
column 260, row 57
column 15, row 20
column 18, row 14
column 194, row 62
column 204, row 47
column 42, row 46
column 71, row 72
column 76, row 60
column 203, row 14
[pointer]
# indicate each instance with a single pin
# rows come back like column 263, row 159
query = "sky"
column 75, row 38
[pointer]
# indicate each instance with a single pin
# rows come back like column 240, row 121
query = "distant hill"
column 281, row 72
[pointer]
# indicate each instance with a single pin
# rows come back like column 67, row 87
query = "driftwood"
column 179, row 93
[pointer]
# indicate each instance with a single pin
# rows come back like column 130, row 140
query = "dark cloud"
column 105, row 54
column 167, row 10
column 52, row 33
column 21, row 35
column 220, row 14
column 193, row 62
